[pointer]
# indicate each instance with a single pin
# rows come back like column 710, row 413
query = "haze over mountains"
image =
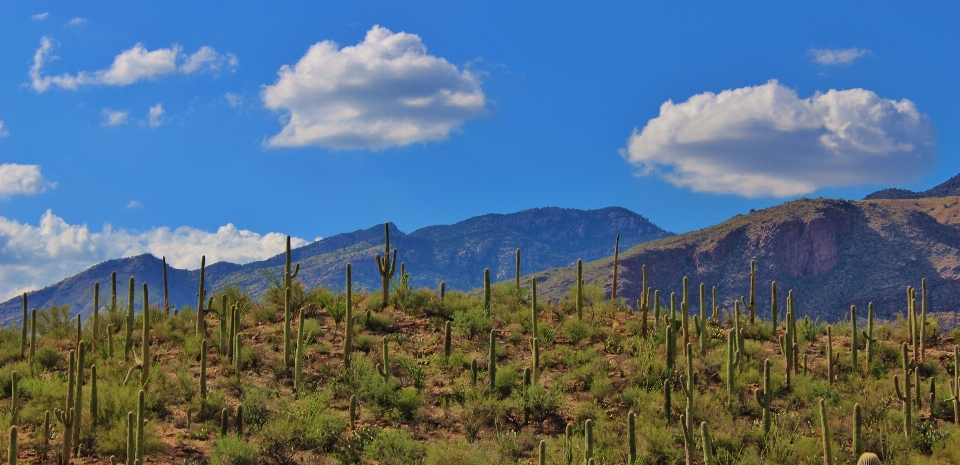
column 457, row 254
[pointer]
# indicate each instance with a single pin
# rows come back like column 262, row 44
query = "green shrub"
column 232, row 450
column 48, row 359
column 576, row 330
column 395, row 447
column 472, row 322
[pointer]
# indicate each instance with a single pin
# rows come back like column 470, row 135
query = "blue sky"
column 200, row 127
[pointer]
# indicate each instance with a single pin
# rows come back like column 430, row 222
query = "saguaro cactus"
column 588, row 439
column 702, row 330
column 534, row 311
column 384, row 366
column 774, row 310
column 12, row 449
column 203, row 369
column 733, row 360
column 753, row 290
column 286, row 328
column 492, row 368
column 298, row 361
column 353, row 412
column 386, row 266
column 923, row 314
column 128, row 340
column 145, row 344
column 96, row 315
column 141, row 421
column 763, row 396
column 535, row 345
column 348, row 336
column 707, row 444
column 868, row 335
column 687, row 383
column 447, row 341
column 632, row 438
column 616, row 261
column 518, row 271
column 955, row 386
column 201, row 325
column 688, row 444
column 857, row 438
column 904, row 395
column 579, row 289
column 825, row 430
column 94, row 396
column 23, row 329
column 853, row 339
column 14, row 399
column 486, row 290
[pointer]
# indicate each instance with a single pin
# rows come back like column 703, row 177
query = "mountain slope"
column 457, row 254
column 948, row 188
column 832, row 253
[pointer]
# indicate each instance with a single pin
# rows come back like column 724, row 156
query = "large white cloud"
column 18, row 179
column 130, row 66
column 32, row 257
column 766, row 141
column 383, row 92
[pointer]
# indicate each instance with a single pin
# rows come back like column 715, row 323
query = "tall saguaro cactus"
column 386, row 266
column 904, row 395
column 128, row 341
column 201, row 326
column 825, row 430
column 518, row 271
column 492, row 356
column 534, row 311
column 857, row 437
column 616, row 263
column 763, row 396
column 632, row 438
column 868, row 335
column 579, row 289
column 486, row 290
column 145, row 344
column 853, row 339
column 733, row 360
column 348, row 336
column 752, row 305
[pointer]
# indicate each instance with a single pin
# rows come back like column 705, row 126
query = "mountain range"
column 456, row 254
column 832, row 253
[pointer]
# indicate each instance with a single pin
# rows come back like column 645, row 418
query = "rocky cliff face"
column 831, row 253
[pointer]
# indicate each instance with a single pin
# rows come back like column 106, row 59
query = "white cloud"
column 40, row 16
column 846, row 56
column 35, row 256
column 22, row 180
column 3, row 131
column 384, row 92
column 766, row 141
column 77, row 21
column 114, row 117
column 156, row 115
column 134, row 205
column 233, row 100
column 130, row 66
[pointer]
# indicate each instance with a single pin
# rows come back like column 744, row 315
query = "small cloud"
column 155, row 116
column 114, row 117
column 830, row 57
column 233, row 100
column 134, row 205
column 77, row 21
column 386, row 91
column 22, row 180
column 767, row 141
column 3, row 130
column 129, row 67
column 40, row 16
